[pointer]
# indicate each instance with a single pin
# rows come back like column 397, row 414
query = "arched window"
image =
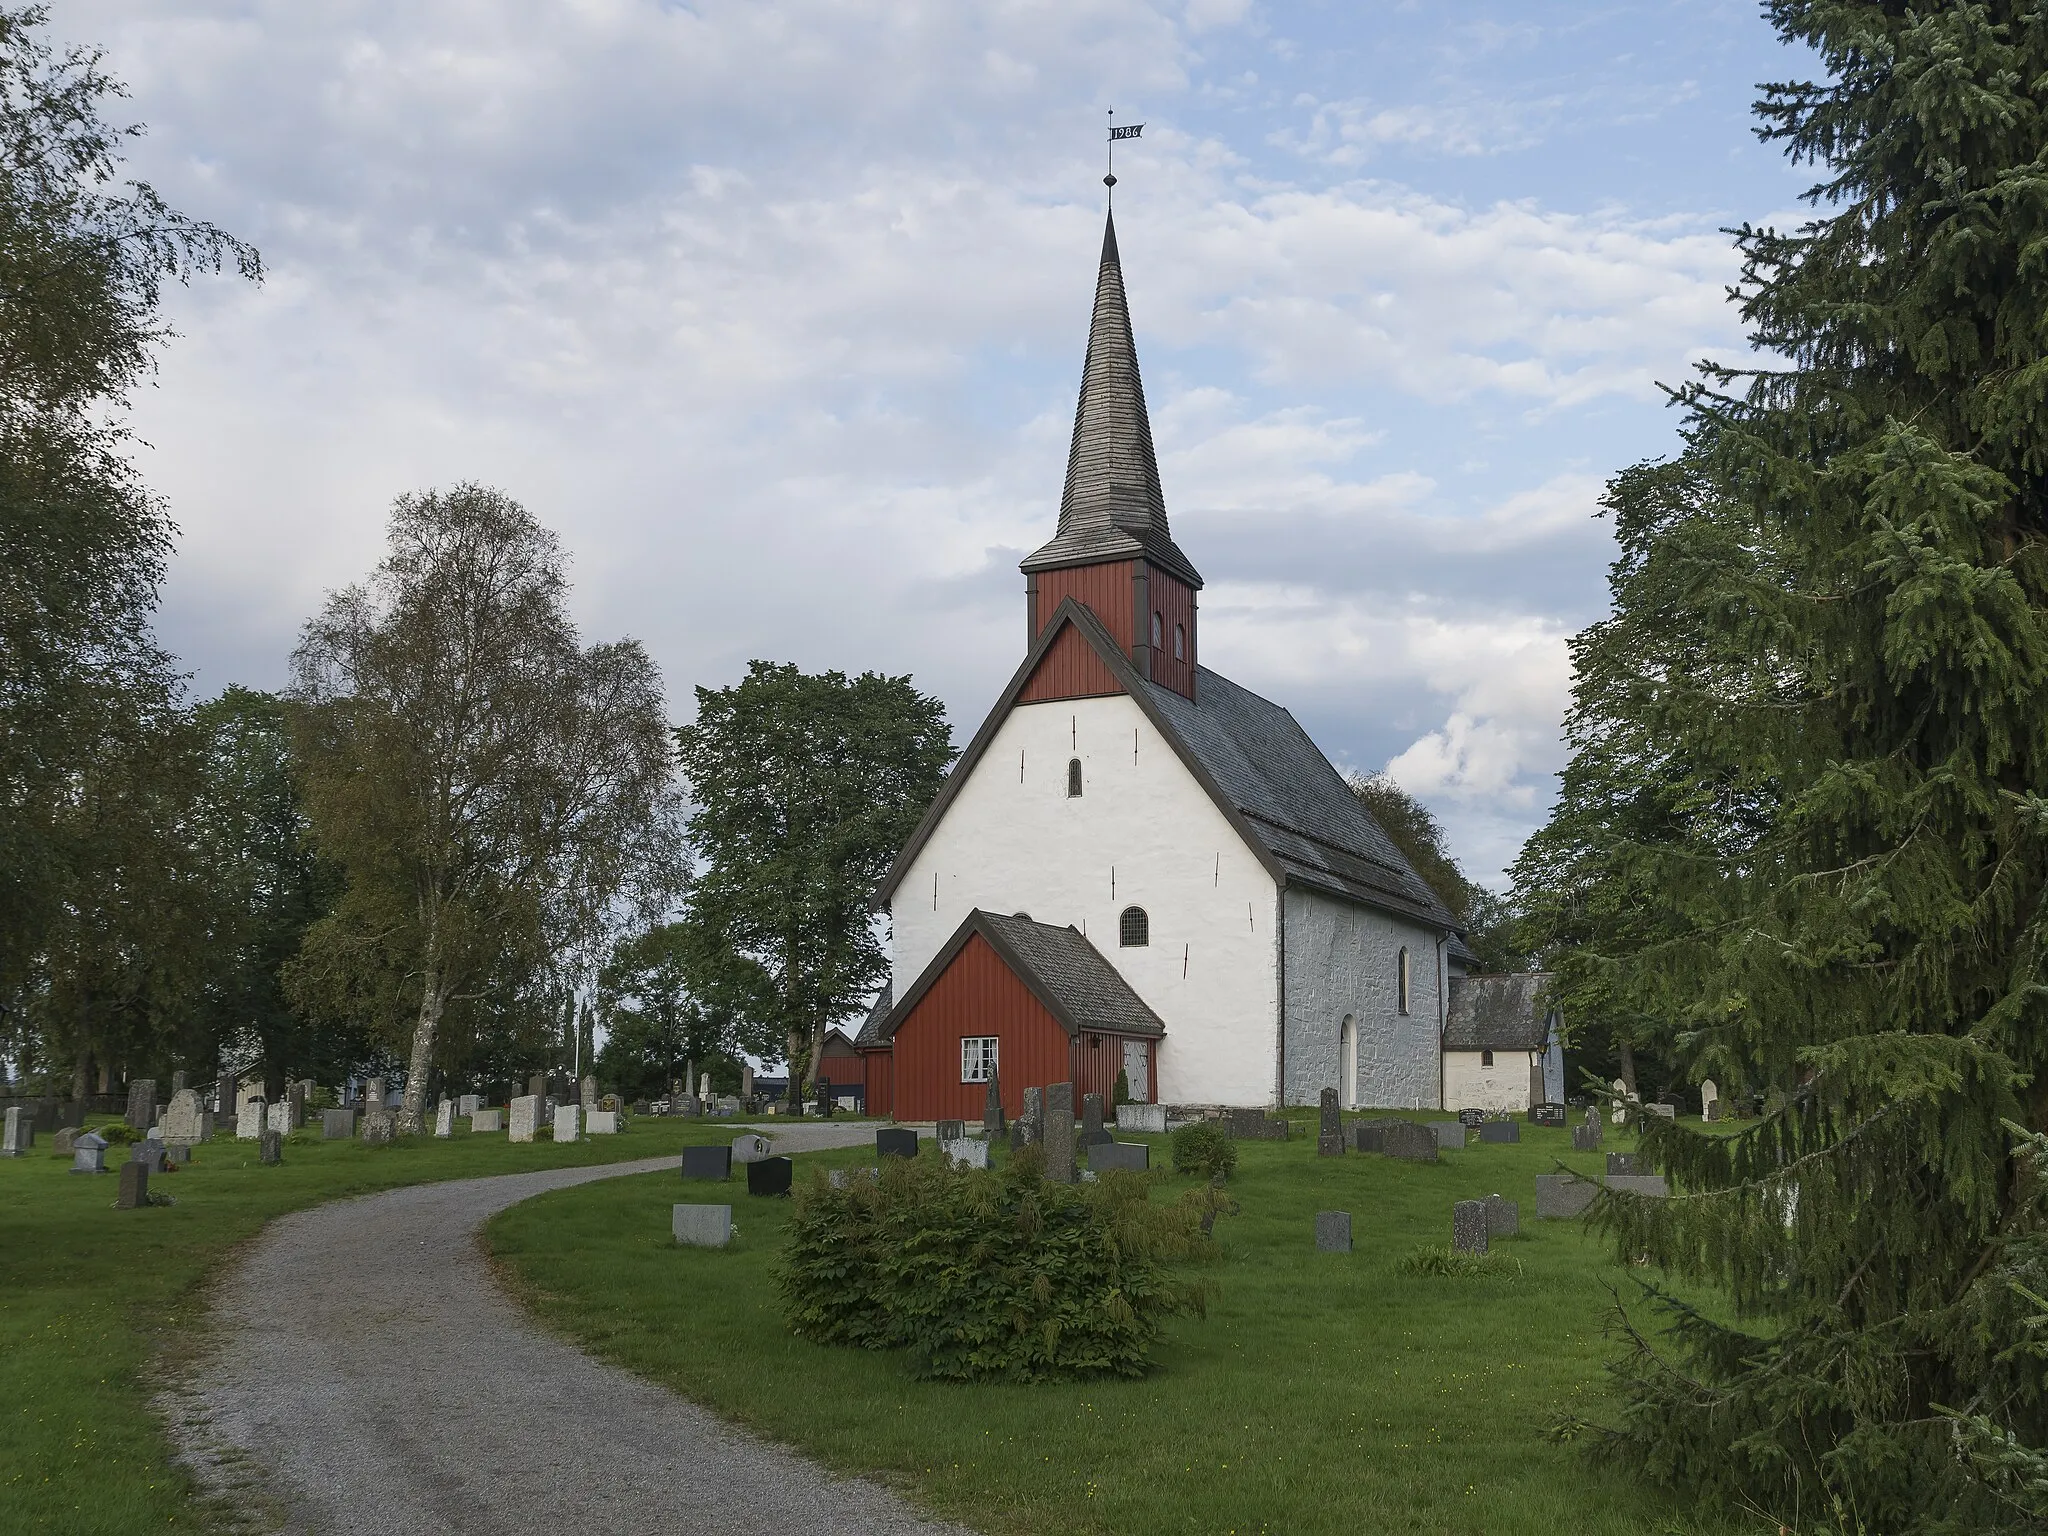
column 1158, row 630
column 1073, row 778
column 1180, row 642
column 1134, row 928
column 1402, row 978
column 1486, row 1058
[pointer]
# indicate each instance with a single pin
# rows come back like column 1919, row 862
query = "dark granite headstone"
column 177, row 1082
column 1059, row 1133
column 178, row 1152
column 770, row 1176
column 149, row 1153
column 1620, row 1163
column 1500, row 1131
column 1091, row 1112
column 1547, row 1114
column 951, row 1130
column 142, row 1103
column 337, row 1124
column 1410, row 1142
column 134, row 1187
column 270, row 1148
column 895, row 1141
column 1330, row 1126
column 1585, row 1139
column 1120, row 1157
column 1468, row 1226
column 1370, row 1135
column 1503, row 1217
column 992, row 1108
column 1254, row 1125
column 1562, row 1197
column 707, row 1162
column 1333, row 1231
column 224, row 1099
column 1471, row 1119
column 537, row 1086
column 1089, row 1139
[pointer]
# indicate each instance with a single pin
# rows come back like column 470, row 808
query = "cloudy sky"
column 775, row 311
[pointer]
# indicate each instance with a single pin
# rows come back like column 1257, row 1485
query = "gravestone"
column 1620, row 1164
column 1120, row 1157
column 1710, row 1100
column 769, row 1176
column 701, row 1226
column 1449, row 1134
column 142, row 1103
column 1091, row 1112
column 895, row 1141
column 1471, row 1119
column 992, row 1108
column 20, row 1134
column 751, row 1148
column 704, row 1086
column 1142, row 1117
column 537, row 1086
column 1017, row 1134
column 688, row 1107
column 1468, row 1226
column 965, row 1152
column 1410, row 1142
column 1033, row 1118
column 187, row 1119
column 177, row 1084
column 1663, row 1107
column 1254, row 1125
column 1503, row 1217
column 707, row 1162
column 525, row 1117
column 224, row 1098
column 468, row 1104
column 1329, row 1126
column 587, row 1099
column 487, row 1120
column 568, row 1122
column 252, row 1122
column 65, row 1139
column 951, row 1130
column 1651, row 1184
column 1059, row 1133
column 295, row 1106
column 601, row 1122
column 1548, row 1114
column 177, row 1152
column 337, row 1124
column 1370, row 1135
column 1622, row 1100
column 1333, row 1231
column 89, row 1153
column 1500, row 1131
column 149, row 1153
column 1585, row 1138
column 746, row 1082
column 270, row 1148
column 375, row 1093
column 380, row 1127
column 278, row 1117
column 134, row 1187
column 444, row 1118
column 1562, row 1196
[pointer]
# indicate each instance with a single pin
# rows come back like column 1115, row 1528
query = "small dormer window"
column 1180, row 642
column 1074, row 778
column 1158, row 630
column 1134, row 928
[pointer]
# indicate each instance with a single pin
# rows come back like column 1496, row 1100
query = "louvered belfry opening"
column 1113, row 550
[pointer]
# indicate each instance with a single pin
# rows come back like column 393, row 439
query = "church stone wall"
column 1143, row 833
column 1343, row 959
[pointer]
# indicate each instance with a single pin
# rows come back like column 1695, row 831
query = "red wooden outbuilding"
column 1035, row 1003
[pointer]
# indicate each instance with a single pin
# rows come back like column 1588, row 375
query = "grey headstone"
column 295, row 1105
column 1370, row 1135
column 601, row 1122
column 177, row 1152
column 537, row 1086
column 1667, row 1110
column 951, row 1130
column 1449, row 1134
column 1254, row 1125
column 751, row 1148
column 1500, row 1131
column 20, row 1133
column 701, row 1226
column 1149, row 1118
column 380, row 1127
column 142, row 1103
column 1411, row 1142
column 587, row 1099
column 187, row 1119
column 1329, row 1126
column 1595, row 1125
column 444, row 1118
column 337, row 1124
column 1033, row 1118
column 992, row 1108
column 746, row 1082
column 89, row 1153
column 1503, row 1217
column 1710, row 1109
column 1120, row 1157
column 177, row 1083
column 524, row 1123
column 1548, row 1114
column 375, row 1093
column 707, row 1162
column 1087, row 1139
column 769, row 1175
column 1471, row 1119
column 568, row 1122
column 895, row 1141
column 1585, row 1139
column 134, row 1187
column 1651, row 1184
column 1091, row 1112
column 65, row 1140
column 252, row 1120
column 1059, row 1133
column 1333, row 1231
column 1562, row 1196
column 270, row 1147
column 1620, row 1164
column 278, row 1117
column 964, row 1152
column 1468, row 1226
column 149, row 1152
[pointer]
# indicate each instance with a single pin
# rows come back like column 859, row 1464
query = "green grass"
column 92, row 1299
column 1322, row 1392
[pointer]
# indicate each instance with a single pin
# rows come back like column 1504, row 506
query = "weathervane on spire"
column 1130, row 131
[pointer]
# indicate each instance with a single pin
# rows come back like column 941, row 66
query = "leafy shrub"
column 990, row 1274
column 119, row 1133
column 1204, row 1148
column 1431, row 1261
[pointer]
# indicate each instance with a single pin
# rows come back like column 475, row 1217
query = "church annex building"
column 1138, row 867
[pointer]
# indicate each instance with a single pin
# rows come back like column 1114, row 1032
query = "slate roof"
column 1496, row 1013
column 884, row 1000
column 1112, row 507
column 1078, row 986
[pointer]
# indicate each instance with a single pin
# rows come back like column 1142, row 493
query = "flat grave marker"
column 1333, row 1231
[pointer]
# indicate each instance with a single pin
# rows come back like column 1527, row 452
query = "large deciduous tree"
column 498, row 794
column 1804, row 836
column 804, row 787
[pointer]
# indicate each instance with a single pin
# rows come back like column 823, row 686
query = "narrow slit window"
column 1134, row 928
column 1180, row 642
column 1401, row 980
column 1486, row 1058
column 1074, row 778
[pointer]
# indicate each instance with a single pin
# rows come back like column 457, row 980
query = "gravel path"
column 366, row 1375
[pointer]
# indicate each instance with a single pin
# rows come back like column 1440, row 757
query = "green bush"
column 119, row 1133
column 1431, row 1261
column 990, row 1274
column 1121, row 1095
column 1204, row 1148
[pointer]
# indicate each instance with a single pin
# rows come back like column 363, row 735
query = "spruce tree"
column 1803, row 839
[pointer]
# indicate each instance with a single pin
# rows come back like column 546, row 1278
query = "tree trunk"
column 798, row 1059
column 412, row 1110
column 81, row 1075
column 1628, row 1068
column 817, row 1056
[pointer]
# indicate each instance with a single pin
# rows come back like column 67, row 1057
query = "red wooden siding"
column 881, row 1070
column 1069, row 670
column 1174, row 601
column 842, row 1064
column 1105, row 588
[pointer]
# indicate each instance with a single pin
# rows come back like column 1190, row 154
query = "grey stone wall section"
column 1342, row 959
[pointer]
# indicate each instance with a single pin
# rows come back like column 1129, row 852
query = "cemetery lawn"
column 94, row 1300
column 1323, row 1392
